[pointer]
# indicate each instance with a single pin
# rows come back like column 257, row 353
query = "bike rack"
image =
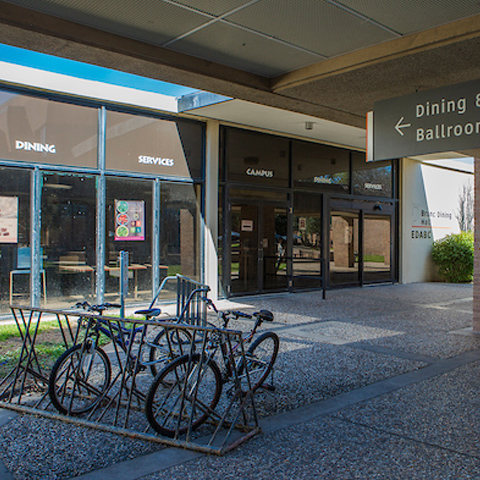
column 190, row 308
column 121, row 409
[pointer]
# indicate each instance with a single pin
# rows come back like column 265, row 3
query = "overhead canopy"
column 324, row 58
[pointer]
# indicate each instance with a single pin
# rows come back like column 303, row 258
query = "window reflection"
column 68, row 238
column 307, row 241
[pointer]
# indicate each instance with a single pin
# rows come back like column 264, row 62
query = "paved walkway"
column 379, row 382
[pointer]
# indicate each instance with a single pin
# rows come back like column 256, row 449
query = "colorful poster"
column 8, row 219
column 129, row 220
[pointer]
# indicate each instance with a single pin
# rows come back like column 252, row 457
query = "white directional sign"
column 440, row 120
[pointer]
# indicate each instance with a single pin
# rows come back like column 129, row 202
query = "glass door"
column 258, row 247
column 344, row 247
column 377, row 248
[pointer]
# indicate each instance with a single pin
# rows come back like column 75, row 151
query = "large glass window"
column 257, row 158
column 150, row 145
column 129, row 229
column 15, row 265
column 68, row 238
column 372, row 178
column 307, row 241
column 321, row 167
column 180, row 230
column 45, row 131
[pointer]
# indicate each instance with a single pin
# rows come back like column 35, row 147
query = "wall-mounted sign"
column 302, row 223
column 247, row 225
column 129, row 220
column 8, row 219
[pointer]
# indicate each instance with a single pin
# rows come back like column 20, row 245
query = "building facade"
column 245, row 211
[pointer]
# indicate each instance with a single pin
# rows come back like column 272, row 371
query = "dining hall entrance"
column 258, row 247
column 361, row 243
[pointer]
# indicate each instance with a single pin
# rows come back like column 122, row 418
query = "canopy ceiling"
column 329, row 59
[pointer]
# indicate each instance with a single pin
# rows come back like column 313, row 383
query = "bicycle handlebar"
column 96, row 308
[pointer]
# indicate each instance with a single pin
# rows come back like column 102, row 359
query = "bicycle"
column 81, row 376
column 185, row 393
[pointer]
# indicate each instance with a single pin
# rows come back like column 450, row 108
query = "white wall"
column 429, row 207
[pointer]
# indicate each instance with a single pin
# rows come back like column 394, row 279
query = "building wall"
column 430, row 202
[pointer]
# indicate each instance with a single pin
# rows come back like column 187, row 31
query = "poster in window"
column 129, row 220
column 8, row 219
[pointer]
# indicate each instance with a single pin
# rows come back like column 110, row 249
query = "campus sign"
column 440, row 120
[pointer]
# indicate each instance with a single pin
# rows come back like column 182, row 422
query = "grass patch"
column 11, row 330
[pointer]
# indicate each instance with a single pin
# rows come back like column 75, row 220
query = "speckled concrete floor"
column 379, row 382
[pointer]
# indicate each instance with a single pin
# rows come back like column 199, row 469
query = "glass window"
column 180, row 230
column 150, row 145
column 129, row 229
column 257, row 158
column 321, row 166
column 44, row 131
column 372, row 178
column 307, row 241
column 68, row 238
column 14, row 237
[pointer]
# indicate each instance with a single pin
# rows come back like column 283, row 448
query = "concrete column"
column 476, row 271
column 211, row 208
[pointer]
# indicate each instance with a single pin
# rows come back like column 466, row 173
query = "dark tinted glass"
column 256, row 158
column 150, row 145
column 320, row 166
column 372, row 178
column 45, row 131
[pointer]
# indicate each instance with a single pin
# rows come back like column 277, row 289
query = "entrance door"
column 361, row 247
column 344, row 247
column 258, row 247
column 377, row 248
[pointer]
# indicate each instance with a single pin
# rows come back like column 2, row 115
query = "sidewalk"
column 378, row 382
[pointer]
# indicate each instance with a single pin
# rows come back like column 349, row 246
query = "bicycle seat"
column 265, row 315
column 149, row 312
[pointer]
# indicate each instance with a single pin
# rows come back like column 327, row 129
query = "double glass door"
column 360, row 247
column 258, row 247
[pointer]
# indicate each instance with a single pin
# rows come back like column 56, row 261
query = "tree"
column 465, row 212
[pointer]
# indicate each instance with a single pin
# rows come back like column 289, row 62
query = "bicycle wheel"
column 79, row 378
column 183, row 395
column 260, row 358
column 167, row 345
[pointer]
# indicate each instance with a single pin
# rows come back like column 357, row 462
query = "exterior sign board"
column 440, row 120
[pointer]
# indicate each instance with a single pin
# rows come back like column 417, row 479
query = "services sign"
column 441, row 120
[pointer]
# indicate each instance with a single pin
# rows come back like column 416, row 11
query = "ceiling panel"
column 233, row 46
column 150, row 21
column 315, row 25
column 412, row 16
column 214, row 7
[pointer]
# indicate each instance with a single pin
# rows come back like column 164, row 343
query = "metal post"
column 123, row 260
column 36, row 261
column 101, row 209
column 156, row 237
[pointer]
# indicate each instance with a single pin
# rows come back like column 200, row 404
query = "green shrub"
column 454, row 257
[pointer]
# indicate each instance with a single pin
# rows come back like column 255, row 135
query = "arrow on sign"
column 399, row 126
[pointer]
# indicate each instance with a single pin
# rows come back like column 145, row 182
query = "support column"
column 476, row 270
column 211, row 208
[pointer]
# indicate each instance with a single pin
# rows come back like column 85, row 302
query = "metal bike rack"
column 121, row 409
column 190, row 308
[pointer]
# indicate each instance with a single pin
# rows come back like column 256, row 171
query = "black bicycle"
column 81, row 376
column 185, row 393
